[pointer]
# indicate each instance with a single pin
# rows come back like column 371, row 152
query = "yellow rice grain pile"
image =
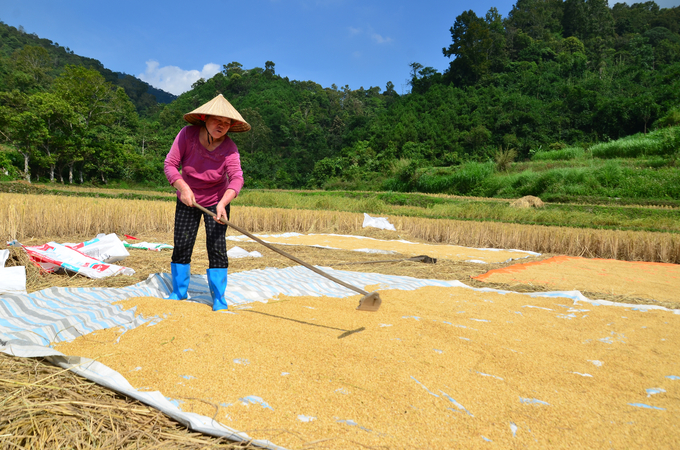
column 433, row 368
column 439, row 251
column 659, row 282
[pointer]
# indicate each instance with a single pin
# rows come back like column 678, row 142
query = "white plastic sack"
column 13, row 280
column 238, row 252
column 52, row 256
column 377, row 222
column 105, row 247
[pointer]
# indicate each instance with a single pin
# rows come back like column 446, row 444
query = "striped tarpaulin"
column 62, row 314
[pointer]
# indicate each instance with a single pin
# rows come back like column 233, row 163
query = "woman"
column 211, row 177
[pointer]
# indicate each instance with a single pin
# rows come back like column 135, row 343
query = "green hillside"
column 532, row 103
column 52, row 62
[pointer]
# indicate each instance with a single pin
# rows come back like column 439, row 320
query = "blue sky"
column 170, row 44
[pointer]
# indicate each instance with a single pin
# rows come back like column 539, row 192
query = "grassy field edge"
column 616, row 217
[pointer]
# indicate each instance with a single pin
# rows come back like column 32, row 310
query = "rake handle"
column 281, row 252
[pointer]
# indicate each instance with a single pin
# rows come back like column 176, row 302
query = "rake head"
column 370, row 302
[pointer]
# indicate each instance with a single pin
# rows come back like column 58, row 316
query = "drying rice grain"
column 433, row 368
column 439, row 251
column 654, row 281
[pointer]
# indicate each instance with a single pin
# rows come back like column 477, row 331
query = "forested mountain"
column 552, row 74
column 56, row 57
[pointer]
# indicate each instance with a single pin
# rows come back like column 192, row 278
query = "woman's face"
column 217, row 126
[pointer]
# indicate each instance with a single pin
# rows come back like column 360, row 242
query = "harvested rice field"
column 434, row 368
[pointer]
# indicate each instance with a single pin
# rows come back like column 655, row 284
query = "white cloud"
column 173, row 79
column 381, row 40
column 377, row 38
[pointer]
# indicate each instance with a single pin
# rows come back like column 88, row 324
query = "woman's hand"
column 186, row 196
column 221, row 212
column 228, row 196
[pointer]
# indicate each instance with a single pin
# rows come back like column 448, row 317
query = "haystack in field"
column 527, row 201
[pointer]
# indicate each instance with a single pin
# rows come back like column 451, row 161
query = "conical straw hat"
column 219, row 106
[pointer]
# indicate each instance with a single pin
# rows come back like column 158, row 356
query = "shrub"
column 326, row 169
column 671, row 141
column 671, row 119
column 557, row 155
column 557, row 146
column 404, row 176
column 609, row 175
column 660, row 142
column 467, row 179
column 7, row 170
column 504, row 158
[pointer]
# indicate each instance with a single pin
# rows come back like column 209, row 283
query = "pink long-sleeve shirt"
column 208, row 173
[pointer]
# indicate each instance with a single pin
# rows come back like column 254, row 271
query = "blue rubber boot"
column 217, row 281
column 180, row 281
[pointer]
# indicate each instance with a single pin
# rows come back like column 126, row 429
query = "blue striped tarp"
column 63, row 314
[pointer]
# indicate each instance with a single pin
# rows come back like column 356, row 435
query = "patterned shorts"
column 187, row 221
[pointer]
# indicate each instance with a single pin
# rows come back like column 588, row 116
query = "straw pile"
column 45, row 407
column 528, row 201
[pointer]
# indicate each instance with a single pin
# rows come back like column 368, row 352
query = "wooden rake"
column 369, row 302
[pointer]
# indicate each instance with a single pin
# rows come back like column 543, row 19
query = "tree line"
column 552, row 74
